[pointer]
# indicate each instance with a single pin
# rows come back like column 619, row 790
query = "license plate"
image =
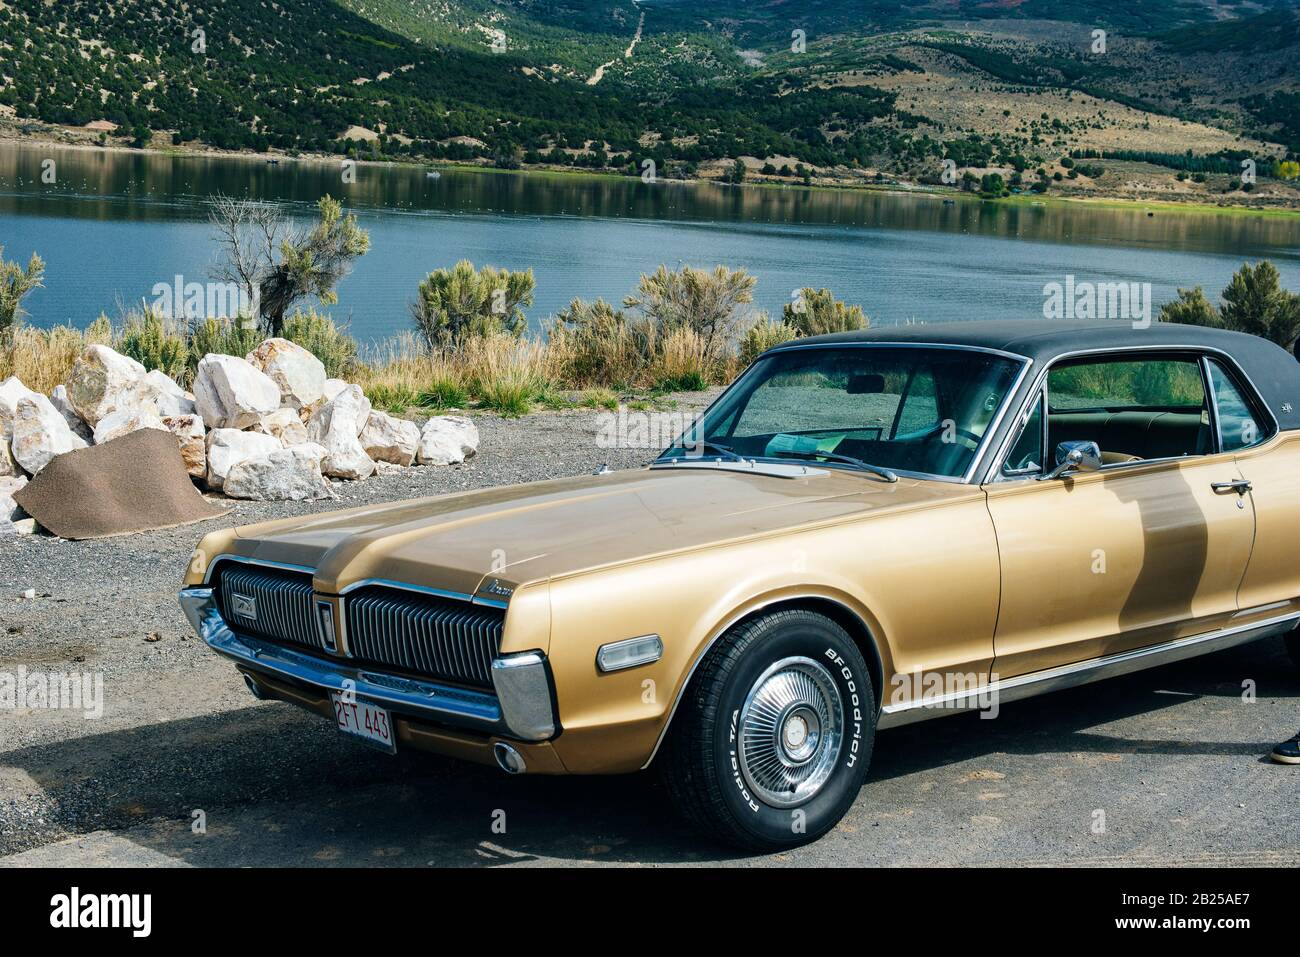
column 361, row 719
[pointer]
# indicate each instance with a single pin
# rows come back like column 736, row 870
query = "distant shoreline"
column 9, row 137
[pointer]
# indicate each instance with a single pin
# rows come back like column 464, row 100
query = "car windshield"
column 907, row 408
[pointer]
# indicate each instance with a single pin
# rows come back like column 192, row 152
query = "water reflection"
column 113, row 224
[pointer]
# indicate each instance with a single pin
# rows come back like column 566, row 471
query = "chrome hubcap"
column 790, row 730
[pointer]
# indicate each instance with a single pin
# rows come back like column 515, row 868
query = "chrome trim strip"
column 406, row 586
column 521, row 708
column 1004, row 447
column 1083, row 672
column 231, row 556
column 894, row 344
column 758, row 465
column 424, row 590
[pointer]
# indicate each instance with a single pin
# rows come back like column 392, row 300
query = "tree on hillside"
column 1253, row 301
column 275, row 263
column 15, row 283
column 817, row 312
column 454, row 304
column 706, row 303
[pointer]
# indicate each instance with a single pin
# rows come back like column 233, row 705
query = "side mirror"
column 1075, row 457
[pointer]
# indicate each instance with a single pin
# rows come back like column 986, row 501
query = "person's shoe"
column 1288, row 752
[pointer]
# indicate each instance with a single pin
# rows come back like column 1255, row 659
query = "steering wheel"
column 1029, row 460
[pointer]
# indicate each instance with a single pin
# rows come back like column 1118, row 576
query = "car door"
column 1149, row 548
column 1269, row 462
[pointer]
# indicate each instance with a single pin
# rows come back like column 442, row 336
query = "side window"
column 1026, row 456
column 1133, row 408
column 1238, row 428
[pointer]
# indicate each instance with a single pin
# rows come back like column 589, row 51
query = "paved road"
column 1173, row 758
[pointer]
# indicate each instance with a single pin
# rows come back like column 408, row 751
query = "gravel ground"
column 1173, row 756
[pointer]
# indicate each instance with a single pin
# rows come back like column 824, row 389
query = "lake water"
column 114, row 224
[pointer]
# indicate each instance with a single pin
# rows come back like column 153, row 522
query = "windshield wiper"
column 885, row 474
column 703, row 445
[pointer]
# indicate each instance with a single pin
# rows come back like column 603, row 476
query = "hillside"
column 877, row 92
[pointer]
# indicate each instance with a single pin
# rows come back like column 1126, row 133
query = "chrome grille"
column 281, row 608
column 440, row 637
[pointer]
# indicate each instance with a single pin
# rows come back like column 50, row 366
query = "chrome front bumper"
column 521, row 708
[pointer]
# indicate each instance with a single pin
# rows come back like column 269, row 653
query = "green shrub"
column 1253, row 302
column 322, row 338
column 1191, row 308
column 15, row 283
column 508, row 397
column 227, row 337
column 595, row 344
column 390, row 398
column 443, row 392
column 601, row 399
column 696, row 300
column 156, row 342
column 816, row 313
column 686, row 382
column 454, row 304
column 763, row 335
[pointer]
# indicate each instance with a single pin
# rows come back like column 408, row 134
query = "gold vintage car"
column 864, row 530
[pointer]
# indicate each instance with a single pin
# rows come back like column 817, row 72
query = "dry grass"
column 498, row 372
column 43, row 358
column 679, row 361
column 509, row 375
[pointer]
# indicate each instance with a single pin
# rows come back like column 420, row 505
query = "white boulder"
column 167, row 396
column 11, row 390
column 230, row 393
column 104, row 381
column 336, row 426
column 124, row 421
column 389, row 439
column 40, row 433
column 191, row 437
column 447, row 440
column 226, row 448
column 10, row 511
column 285, row 425
column 299, row 375
column 75, row 422
column 8, row 467
column 283, row 475
column 331, row 388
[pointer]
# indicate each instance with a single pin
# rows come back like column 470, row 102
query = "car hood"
column 493, row 540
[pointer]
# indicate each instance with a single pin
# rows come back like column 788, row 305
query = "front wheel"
column 773, row 738
column 1293, row 641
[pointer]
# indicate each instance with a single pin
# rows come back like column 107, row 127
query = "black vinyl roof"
column 1273, row 371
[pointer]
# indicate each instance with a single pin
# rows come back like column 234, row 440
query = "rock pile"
column 269, row 426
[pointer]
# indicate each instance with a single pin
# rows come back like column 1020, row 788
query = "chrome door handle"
column 1240, row 486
